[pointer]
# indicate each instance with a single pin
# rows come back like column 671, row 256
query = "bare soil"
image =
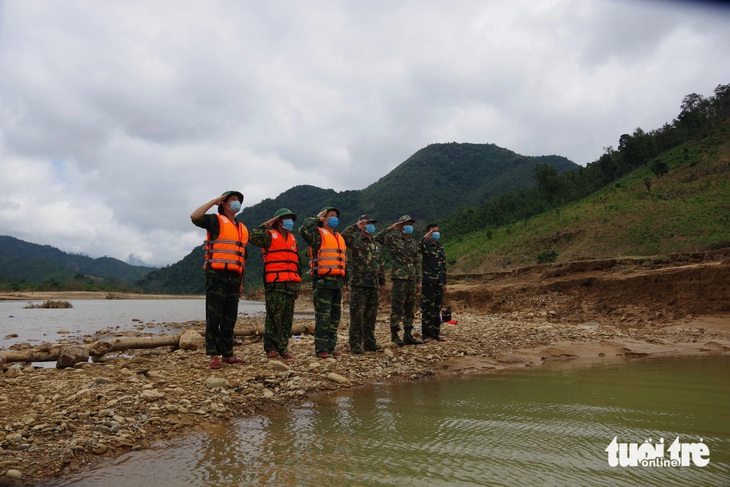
column 57, row 421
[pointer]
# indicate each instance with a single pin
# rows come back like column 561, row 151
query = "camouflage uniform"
column 366, row 274
column 433, row 269
column 405, row 276
column 326, row 294
column 222, row 291
column 280, row 299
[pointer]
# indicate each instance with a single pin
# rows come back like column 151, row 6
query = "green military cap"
column 328, row 208
column 405, row 219
column 281, row 212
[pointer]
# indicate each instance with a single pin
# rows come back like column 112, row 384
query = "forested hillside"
column 664, row 191
column 430, row 185
column 24, row 264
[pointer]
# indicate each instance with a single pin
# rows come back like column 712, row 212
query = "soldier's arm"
column 260, row 237
column 309, row 232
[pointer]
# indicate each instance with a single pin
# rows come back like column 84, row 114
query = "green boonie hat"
column 328, row 208
column 406, row 219
column 237, row 193
column 285, row 212
column 227, row 194
column 368, row 218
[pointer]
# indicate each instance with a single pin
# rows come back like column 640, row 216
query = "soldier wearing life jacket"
column 282, row 278
column 224, row 265
column 327, row 262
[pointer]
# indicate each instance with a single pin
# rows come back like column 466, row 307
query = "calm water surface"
column 88, row 316
column 547, row 426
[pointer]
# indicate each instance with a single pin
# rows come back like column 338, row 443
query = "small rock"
column 278, row 365
column 70, row 356
column 150, row 395
column 335, row 377
column 191, row 340
column 214, row 382
column 14, row 474
column 388, row 353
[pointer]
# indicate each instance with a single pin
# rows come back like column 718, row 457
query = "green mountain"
column 668, row 192
column 432, row 184
column 25, row 262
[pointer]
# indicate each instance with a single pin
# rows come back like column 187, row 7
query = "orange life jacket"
column 228, row 251
column 331, row 257
column 281, row 260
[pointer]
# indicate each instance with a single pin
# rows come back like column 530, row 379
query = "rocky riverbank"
column 56, row 421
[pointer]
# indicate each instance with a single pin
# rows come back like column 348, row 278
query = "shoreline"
column 80, row 295
column 59, row 421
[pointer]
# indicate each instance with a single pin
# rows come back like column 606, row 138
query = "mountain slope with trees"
column 431, row 184
column 664, row 191
column 24, row 264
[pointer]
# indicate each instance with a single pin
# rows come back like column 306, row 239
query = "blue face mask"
column 436, row 235
column 333, row 221
column 235, row 206
column 370, row 228
column 288, row 224
column 408, row 229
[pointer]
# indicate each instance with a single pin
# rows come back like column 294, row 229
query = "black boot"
column 408, row 338
column 395, row 338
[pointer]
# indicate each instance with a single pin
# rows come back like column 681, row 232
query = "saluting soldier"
column 366, row 276
column 225, row 261
column 282, row 279
column 405, row 276
column 327, row 265
column 433, row 283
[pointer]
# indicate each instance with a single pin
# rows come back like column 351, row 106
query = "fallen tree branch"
column 102, row 347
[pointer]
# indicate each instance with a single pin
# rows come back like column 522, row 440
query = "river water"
column 545, row 426
column 35, row 325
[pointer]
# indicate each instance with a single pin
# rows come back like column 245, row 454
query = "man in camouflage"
column 282, row 279
column 327, row 266
column 433, row 283
column 366, row 276
column 405, row 277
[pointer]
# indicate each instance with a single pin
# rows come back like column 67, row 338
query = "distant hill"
column 684, row 207
column 25, row 262
column 431, row 184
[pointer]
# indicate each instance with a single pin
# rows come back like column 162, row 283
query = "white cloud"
column 118, row 118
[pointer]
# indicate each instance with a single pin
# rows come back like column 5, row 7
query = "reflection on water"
column 545, row 426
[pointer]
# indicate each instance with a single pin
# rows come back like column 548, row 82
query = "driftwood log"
column 102, row 347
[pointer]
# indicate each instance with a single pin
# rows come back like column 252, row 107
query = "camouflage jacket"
column 404, row 254
column 433, row 261
column 311, row 235
column 365, row 266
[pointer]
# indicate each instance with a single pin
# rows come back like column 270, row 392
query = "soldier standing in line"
column 366, row 273
column 405, row 277
column 282, row 279
column 327, row 265
column 433, row 283
column 225, row 261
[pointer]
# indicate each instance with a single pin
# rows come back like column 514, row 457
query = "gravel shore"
column 57, row 421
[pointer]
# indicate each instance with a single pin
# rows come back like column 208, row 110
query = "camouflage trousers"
column 221, row 311
column 432, row 296
column 327, row 312
column 363, row 313
column 402, row 304
column 279, row 319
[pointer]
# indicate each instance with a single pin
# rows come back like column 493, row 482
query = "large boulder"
column 69, row 356
column 191, row 340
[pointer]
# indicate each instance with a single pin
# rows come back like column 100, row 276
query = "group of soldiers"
column 331, row 269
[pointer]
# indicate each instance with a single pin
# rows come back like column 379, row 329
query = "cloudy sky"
column 118, row 117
